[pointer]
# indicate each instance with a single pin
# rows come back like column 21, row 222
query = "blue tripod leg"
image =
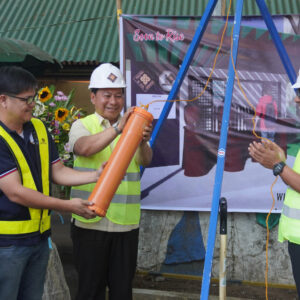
column 277, row 41
column 221, row 157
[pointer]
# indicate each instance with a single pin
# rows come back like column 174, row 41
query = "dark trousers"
column 104, row 259
column 294, row 251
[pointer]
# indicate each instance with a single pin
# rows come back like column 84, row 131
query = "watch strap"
column 116, row 128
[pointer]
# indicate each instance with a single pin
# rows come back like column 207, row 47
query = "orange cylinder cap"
column 144, row 113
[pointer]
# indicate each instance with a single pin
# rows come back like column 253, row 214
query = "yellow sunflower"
column 61, row 114
column 45, row 94
column 66, row 126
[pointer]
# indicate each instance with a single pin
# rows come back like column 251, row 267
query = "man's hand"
column 144, row 152
column 125, row 118
column 147, row 133
column 266, row 153
column 81, row 207
column 100, row 170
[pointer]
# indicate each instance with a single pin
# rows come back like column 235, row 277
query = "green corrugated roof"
column 85, row 31
column 276, row 7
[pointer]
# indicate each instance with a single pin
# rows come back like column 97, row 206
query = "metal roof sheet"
column 86, row 31
column 12, row 50
column 276, row 7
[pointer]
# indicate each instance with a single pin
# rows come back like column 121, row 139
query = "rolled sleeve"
column 77, row 131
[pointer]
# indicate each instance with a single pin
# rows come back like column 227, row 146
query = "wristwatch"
column 116, row 128
column 278, row 168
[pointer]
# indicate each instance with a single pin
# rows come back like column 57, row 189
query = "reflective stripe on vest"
column 125, row 205
column 290, row 216
column 292, row 213
column 127, row 176
column 130, row 199
column 39, row 219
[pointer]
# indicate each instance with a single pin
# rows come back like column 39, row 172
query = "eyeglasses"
column 28, row 100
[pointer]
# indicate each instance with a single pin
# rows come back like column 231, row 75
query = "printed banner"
column 182, row 174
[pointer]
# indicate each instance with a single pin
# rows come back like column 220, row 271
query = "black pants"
column 294, row 251
column 104, row 259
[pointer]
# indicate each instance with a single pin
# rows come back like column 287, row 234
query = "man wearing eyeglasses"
column 29, row 161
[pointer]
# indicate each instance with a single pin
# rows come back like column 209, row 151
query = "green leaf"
column 70, row 97
column 52, row 89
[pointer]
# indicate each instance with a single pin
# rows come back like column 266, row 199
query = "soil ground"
column 233, row 289
column 61, row 237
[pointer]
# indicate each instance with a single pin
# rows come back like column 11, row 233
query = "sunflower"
column 45, row 94
column 61, row 114
column 66, row 127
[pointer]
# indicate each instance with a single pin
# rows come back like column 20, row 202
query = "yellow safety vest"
column 124, row 208
column 289, row 224
column 39, row 218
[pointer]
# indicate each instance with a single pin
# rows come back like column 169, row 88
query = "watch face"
column 278, row 168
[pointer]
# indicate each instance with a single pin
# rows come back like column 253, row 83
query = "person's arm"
column 12, row 187
column 144, row 152
column 92, row 144
column 63, row 175
column 269, row 154
column 291, row 178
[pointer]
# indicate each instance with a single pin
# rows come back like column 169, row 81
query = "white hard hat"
column 106, row 76
column 296, row 85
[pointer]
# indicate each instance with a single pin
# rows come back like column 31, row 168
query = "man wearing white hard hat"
column 271, row 156
column 105, row 249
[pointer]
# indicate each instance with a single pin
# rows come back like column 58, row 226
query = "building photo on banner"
column 182, row 173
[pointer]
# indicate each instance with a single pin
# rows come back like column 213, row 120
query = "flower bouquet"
column 58, row 113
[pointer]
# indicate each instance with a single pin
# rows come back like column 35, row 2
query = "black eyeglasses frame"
column 28, row 100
